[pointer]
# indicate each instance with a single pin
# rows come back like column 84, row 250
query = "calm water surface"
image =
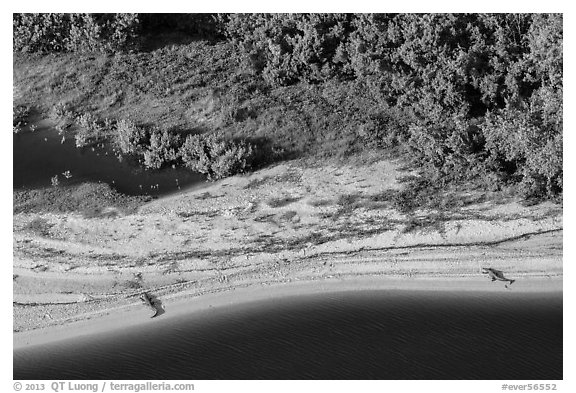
column 40, row 155
column 360, row 335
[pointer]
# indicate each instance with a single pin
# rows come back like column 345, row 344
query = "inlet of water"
column 43, row 154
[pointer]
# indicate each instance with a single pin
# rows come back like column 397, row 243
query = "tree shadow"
column 160, row 30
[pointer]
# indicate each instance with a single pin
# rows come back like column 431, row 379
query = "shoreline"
column 179, row 304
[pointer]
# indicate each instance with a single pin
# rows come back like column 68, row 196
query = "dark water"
column 363, row 335
column 40, row 155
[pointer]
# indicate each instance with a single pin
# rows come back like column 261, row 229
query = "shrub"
column 61, row 111
column 520, row 148
column 163, row 149
column 216, row 157
column 129, row 137
column 90, row 131
column 20, row 114
column 101, row 32
column 39, row 32
column 387, row 128
column 287, row 48
column 73, row 32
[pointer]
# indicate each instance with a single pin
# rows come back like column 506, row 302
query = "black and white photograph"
column 241, row 196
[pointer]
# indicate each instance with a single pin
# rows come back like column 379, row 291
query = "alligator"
column 151, row 302
column 496, row 275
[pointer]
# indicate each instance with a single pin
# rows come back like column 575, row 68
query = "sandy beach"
column 274, row 233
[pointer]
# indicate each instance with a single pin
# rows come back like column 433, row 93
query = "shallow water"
column 351, row 335
column 40, row 155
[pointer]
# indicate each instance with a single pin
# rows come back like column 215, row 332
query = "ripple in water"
column 360, row 335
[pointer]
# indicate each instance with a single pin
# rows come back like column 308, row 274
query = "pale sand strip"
column 177, row 305
column 536, row 264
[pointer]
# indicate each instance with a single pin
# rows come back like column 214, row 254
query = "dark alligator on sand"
column 153, row 303
column 496, row 275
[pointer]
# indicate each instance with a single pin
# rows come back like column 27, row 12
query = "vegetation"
column 464, row 97
column 90, row 130
column 88, row 199
column 282, row 201
column 73, row 32
column 162, row 149
column 129, row 137
column 216, row 157
column 39, row 226
column 20, row 115
column 210, row 154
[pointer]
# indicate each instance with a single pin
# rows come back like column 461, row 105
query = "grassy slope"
column 197, row 86
column 89, row 199
column 156, row 87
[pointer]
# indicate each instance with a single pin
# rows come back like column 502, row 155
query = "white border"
column 305, row 6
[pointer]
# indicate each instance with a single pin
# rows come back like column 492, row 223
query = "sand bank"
column 276, row 232
column 132, row 315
